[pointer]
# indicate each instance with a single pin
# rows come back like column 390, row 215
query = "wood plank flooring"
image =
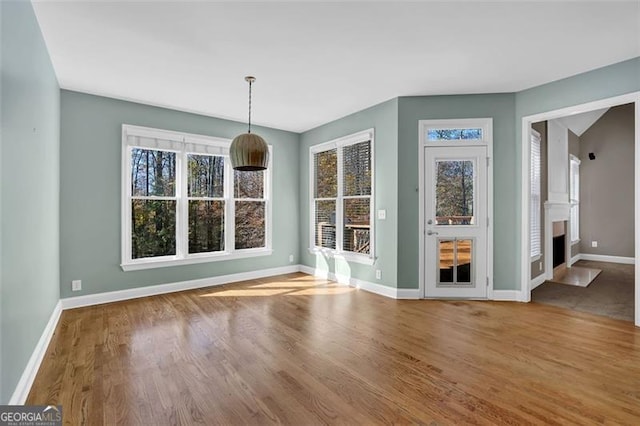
column 297, row 350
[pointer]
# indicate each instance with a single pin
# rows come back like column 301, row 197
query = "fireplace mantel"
column 557, row 211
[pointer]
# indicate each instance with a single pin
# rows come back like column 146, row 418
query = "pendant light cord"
column 249, row 106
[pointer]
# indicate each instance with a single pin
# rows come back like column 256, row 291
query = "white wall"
column 558, row 158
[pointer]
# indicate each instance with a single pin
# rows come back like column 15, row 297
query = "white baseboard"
column 537, row 281
column 382, row 290
column 315, row 272
column 506, row 295
column 605, row 258
column 134, row 293
column 574, row 259
column 408, row 293
column 392, row 292
column 23, row 387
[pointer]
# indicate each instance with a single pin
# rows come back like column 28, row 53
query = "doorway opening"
column 585, row 210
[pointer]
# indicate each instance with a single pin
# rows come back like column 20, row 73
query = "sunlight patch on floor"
column 284, row 285
column 288, row 284
column 281, row 288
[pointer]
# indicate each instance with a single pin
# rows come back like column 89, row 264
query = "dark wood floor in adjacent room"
column 610, row 294
column 297, row 350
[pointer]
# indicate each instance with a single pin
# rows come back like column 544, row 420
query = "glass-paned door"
column 456, row 222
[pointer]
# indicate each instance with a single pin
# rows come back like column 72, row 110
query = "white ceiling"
column 316, row 62
column 580, row 123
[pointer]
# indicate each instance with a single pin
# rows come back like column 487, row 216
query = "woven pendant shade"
column 248, row 151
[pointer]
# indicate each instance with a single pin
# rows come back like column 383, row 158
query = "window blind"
column 356, row 181
column 342, row 192
column 574, row 185
column 535, row 221
column 326, row 193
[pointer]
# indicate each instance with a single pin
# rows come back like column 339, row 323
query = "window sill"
column 536, row 257
column 347, row 257
column 573, row 243
column 193, row 259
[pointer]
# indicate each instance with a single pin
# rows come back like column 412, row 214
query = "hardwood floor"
column 297, row 350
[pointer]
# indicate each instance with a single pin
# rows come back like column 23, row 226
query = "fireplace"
column 556, row 217
column 558, row 245
column 558, row 250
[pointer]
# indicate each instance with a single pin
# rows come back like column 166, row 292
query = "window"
column 454, row 134
column 448, row 132
column 574, row 197
column 183, row 203
column 250, row 207
column 342, row 197
column 535, row 222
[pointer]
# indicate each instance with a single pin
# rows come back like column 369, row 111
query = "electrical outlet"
column 290, row 258
column 76, row 285
column 382, row 214
column 594, row 244
column 378, row 274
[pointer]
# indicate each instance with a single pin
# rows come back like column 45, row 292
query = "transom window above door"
column 455, row 132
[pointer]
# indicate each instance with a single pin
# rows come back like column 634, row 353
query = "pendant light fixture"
column 248, row 151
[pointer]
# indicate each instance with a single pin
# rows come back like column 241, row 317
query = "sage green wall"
column 501, row 108
column 613, row 80
column 90, row 193
column 601, row 83
column 30, row 191
column 506, row 110
column 384, row 119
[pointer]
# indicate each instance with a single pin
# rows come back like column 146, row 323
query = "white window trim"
column 338, row 253
column 182, row 256
column 575, row 202
column 535, row 256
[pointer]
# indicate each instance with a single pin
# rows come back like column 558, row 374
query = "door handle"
column 430, row 232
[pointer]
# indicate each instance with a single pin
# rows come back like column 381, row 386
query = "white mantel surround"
column 558, row 161
column 557, row 208
column 555, row 211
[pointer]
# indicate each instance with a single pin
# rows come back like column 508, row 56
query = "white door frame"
column 487, row 125
column 525, row 260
